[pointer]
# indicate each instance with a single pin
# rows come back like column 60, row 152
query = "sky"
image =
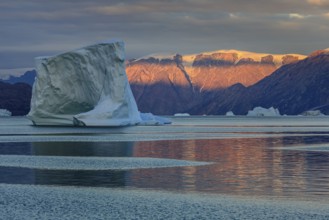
column 39, row 28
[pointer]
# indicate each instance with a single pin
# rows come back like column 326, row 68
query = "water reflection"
column 244, row 166
column 111, row 178
column 107, row 149
column 82, row 149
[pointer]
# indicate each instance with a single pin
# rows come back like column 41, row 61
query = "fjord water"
column 276, row 157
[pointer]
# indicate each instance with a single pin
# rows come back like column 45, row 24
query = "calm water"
column 284, row 165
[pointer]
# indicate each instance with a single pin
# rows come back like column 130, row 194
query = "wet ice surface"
column 21, row 130
column 251, row 168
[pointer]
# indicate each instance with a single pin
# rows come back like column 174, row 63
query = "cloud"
column 296, row 15
column 121, row 9
column 234, row 15
column 33, row 28
column 318, row 2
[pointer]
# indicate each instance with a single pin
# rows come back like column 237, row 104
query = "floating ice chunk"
column 4, row 113
column 230, row 113
column 182, row 114
column 307, row 147
column 150, row 119
column 259, row 111
column 313, row 113
column 91, row 163
column 85, row 87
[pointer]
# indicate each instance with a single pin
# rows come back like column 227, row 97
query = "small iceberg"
column 313, row 113
column 4, row 113
column 230, row 113
column 182, row 115
column 260, row 111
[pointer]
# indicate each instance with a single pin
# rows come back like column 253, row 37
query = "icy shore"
column 20, row 202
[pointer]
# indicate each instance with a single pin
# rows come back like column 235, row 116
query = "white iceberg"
column 85, row 87
column 230, row 113
column 4, row 113
column 259, row 111
column 150, row 119
column 182, row 115
column 313, row 113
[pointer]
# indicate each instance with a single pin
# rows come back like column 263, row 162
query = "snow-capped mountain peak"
column 219, row 57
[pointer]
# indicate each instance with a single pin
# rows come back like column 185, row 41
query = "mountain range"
column 15, row 97
column 208, row 83
column 28, row 78
column 293, row 89
column 216, row 82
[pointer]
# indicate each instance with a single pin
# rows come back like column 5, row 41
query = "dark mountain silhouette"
column 28, row 77
column 188, row 83
column 15, row 97
column 295, row 88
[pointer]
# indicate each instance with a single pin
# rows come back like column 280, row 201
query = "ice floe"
column 309, row 147
column 260, row 111
column 4, row 113
column 230, row 113
column 91, row 163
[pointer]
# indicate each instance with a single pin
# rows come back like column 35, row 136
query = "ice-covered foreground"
column 21, row 202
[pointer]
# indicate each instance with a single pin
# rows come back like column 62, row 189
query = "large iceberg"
column 85, row 87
